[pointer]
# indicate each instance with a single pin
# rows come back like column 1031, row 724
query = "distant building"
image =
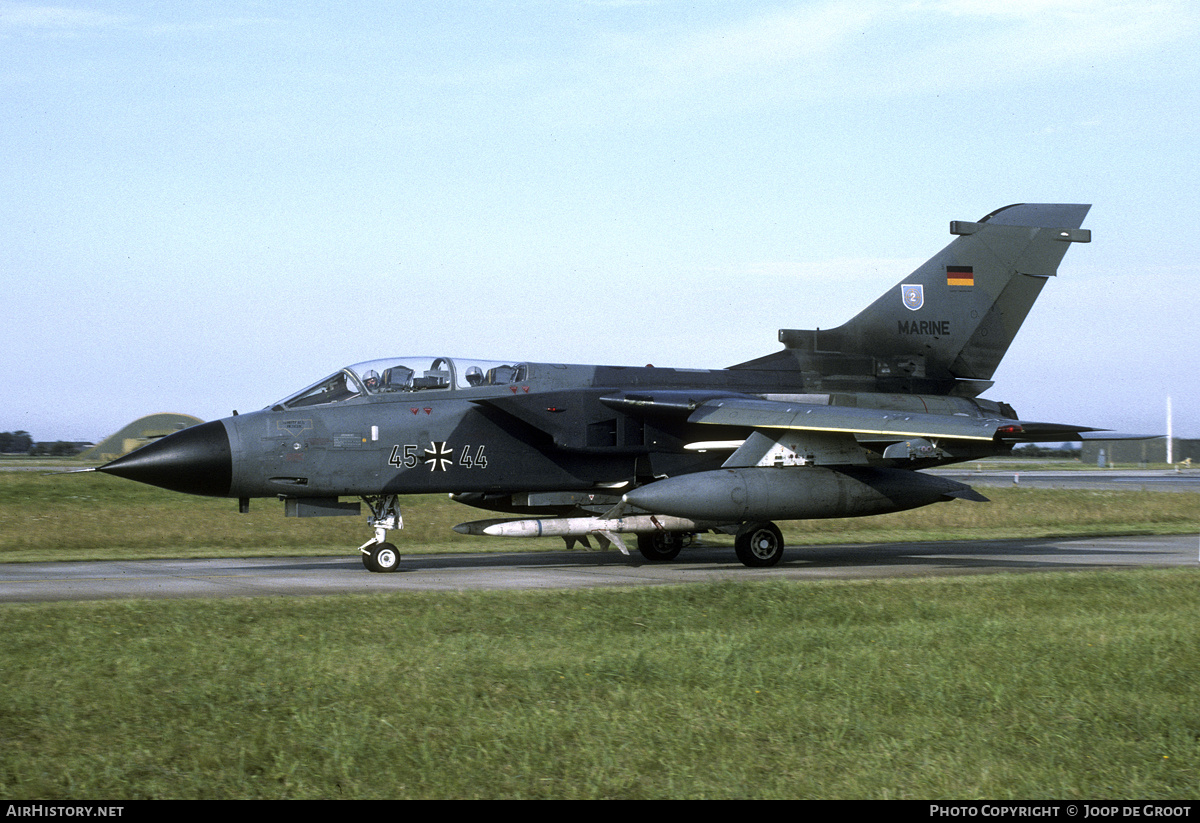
column 1140, row 451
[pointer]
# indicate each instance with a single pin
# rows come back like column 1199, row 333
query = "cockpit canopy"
column 405, row 374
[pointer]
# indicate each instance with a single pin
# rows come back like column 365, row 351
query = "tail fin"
column 945, row 327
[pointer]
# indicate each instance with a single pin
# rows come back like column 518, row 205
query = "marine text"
column 938, row 328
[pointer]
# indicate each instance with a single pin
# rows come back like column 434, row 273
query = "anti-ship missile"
column 606, row 529
column 581, row 526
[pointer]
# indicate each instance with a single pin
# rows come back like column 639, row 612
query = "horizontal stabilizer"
column 967, row 493
column 1101, row 434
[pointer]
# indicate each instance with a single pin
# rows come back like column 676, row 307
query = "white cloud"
column 868, row 47
column 1039, row 32
column 29, row 16
column 760, row 43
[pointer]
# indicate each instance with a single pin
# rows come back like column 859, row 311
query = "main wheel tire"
column 660, row 546
column 384, row 558
column 759, row 545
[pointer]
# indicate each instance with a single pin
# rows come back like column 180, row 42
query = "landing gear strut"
column 759, row 544
column 378, row 555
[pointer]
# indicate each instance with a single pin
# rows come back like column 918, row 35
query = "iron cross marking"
column 439, row 457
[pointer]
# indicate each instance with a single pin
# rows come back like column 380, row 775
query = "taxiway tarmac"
column 288, row 577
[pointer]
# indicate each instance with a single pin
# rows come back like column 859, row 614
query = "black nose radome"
column 196, row 460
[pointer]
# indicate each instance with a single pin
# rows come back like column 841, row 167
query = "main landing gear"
column 378, row 555
column 759, row 545
column 662, row 546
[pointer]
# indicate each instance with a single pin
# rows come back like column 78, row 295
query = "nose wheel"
column 382, row 557
column 378, row 555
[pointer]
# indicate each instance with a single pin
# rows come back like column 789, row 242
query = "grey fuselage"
column 555, row 431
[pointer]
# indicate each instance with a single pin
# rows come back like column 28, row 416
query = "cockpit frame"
column 395, row 375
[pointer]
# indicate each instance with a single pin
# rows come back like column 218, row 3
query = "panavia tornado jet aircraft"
column 837, row 424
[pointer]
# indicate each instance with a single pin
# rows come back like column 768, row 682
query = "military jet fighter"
column 839, row 423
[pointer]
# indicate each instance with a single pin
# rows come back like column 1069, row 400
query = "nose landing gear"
column 378, row 555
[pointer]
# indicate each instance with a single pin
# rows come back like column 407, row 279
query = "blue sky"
column 207, row 206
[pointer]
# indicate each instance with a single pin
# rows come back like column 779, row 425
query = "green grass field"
column 1005, row 686
column 1051, row 685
